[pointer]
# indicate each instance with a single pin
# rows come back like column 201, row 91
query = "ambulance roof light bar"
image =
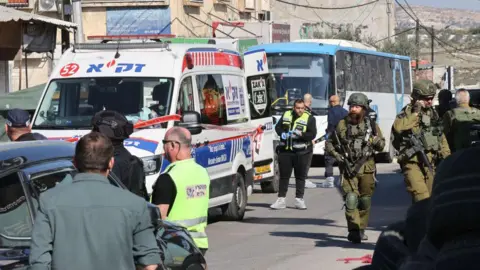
column 119, row 46
column 108, row 38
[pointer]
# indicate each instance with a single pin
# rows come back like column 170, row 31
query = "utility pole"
column 77, row 17
column 417, row 44
column 389, row 12
column 433, row 44
column 66, row 14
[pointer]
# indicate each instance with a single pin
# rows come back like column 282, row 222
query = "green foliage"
column 401, row 46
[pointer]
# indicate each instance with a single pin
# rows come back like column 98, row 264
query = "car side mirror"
column 191, row 121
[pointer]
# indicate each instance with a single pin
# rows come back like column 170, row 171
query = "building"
column 182, row 18
column 308, row 18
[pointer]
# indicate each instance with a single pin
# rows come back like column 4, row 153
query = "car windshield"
column 71, row 103
column 298, row 74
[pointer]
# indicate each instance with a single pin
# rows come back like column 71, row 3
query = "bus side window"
column 185, row 96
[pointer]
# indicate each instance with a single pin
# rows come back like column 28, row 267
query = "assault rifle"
column 347, row 157
column 321, row 139
column 352, row 167
column 417, row 148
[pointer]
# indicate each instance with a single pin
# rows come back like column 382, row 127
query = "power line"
column 396, row 34
column 327, row 8
column 440, row 42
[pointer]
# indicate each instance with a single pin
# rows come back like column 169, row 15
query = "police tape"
column 157, row 120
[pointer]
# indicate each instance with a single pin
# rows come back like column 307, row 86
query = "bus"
column 324, row 68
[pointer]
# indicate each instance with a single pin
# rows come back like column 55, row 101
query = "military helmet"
column 112, row 124
column 358, row 99
column 423, row 88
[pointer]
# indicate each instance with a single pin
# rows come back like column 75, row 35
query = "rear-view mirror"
column 191, row 121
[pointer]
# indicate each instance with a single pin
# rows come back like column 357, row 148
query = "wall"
column 205, row 14
column 372, row 19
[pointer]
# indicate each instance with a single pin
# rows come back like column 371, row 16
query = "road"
column 303, row 239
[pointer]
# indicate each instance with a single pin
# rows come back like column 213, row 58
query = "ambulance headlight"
column 152, row 164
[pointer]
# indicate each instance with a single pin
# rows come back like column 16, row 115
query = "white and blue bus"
column 322, row 69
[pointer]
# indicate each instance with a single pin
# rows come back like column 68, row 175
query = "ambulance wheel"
column 272, row 186
column 235, row 210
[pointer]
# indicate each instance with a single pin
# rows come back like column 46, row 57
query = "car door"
column 42, row 177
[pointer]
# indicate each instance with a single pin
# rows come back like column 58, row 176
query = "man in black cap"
column 17, row 127
column 128, row 168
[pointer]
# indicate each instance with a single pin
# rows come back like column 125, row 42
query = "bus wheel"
column 272, row 186
column 235, row 210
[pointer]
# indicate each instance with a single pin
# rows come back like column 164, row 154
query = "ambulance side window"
column 211, row 99
column 185, row 96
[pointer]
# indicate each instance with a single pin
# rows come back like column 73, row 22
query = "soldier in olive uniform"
column 420, row 121
column 458, row 123
column 352, row 144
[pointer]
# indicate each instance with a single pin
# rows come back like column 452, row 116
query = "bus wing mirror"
column 191, row 121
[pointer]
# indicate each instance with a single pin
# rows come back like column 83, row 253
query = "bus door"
column 261, row 93
column 398, row 84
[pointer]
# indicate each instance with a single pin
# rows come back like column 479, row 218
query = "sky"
column 465, row 4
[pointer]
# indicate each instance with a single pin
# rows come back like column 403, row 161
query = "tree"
column 401, row 46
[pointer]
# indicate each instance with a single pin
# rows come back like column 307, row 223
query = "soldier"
column 352, row 144
column 458, row 123
column 419, row 139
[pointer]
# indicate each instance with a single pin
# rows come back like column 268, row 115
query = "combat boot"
column 363, row 235
column 355, row 237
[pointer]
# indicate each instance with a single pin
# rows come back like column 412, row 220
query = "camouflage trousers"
column 363, row 186
column 418, row 180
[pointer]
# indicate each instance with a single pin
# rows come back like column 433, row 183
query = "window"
column 44, row 181
column 299, row 74
column 222, row 99
column 71, row 103
column 185, row 97
column 15, row 217
column 262, row 92
column 212, row 99
column 371, row 73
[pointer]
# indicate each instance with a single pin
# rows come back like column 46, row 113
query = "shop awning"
column 13, row 15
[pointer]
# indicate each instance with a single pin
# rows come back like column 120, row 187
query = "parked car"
column 29, row 168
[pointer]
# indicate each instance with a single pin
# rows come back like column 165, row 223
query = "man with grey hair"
column 307, row 99
column 182, row 191
column 458, row 122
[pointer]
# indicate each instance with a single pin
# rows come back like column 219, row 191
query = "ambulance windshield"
column 298, row 74
column 71, row 103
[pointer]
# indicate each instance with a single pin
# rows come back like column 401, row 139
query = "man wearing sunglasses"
column 182, row 191
column 419, row 138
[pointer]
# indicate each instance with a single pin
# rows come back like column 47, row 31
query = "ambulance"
column 157, row 86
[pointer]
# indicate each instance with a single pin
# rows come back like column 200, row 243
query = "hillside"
column 438, row 17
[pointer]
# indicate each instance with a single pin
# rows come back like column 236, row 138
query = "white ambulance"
column 154, row 85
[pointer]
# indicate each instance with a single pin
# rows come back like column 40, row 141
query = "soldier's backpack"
column 463, row 127
column 136, row 177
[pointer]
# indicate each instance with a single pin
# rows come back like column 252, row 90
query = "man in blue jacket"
column 335, row 113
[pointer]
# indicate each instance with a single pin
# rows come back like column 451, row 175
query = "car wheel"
column 235, row 210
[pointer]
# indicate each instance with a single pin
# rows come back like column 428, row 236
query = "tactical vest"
column 464, row 120
column 356, row 138
column 191, row 202
column 300, row 124
column 430, row 134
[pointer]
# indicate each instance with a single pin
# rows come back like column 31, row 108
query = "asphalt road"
column 303, row 239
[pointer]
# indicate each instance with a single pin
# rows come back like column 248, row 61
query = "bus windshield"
column 71, row 103
column 298, row 74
